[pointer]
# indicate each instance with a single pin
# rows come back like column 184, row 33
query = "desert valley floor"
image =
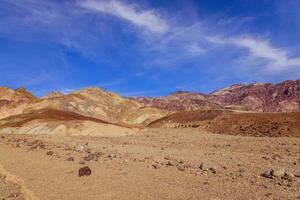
column 155, row 163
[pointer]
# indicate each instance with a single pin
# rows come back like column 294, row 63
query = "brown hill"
column 257, row 97
column 235, row 123
column 89, row 102
column 45, row 115
column 51, row 121
column 279, row 97
column 19, row 94
column 180, row 101
column 96, row 103
column 13, row 102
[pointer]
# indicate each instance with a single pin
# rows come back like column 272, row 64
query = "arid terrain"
column 92, row 144
column 153, row 164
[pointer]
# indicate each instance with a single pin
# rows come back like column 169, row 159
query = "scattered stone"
column 204, row 167
column 90, row 157
column 50, row 153
column 155, row 165
column 14, row 195
column 81, row 162
column 109, row 156
column 289, row 176
column 69, row 159
column 180, row 161
column 167, row 158
column 213, row 170
column 181, row 167
column 267, row 174
column 81, row 147
column 169, row 163
column 269, row 194
column 279, row 173
column 84, row 171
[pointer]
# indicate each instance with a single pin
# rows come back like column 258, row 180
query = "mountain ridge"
column 108, row 106
column 257, row 97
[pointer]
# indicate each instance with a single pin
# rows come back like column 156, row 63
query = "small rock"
column 289, row 176
column 155, row 165
column 90, row 157
column 50, row 153
column 84, row 171
column 14, row 195
column 181, row 167
column 111, row 157
column 213, row 170
column 169, row 163
column 279, row 173
column 167, row 158
column 69, row 159
column 180, row 161
column 81, row 162
column 204, row 167
column 268, row 194
column 81, row 147
column 267, row 174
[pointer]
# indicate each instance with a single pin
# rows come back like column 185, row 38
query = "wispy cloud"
column 278, row 57
column 147, row 19
column 275, row 58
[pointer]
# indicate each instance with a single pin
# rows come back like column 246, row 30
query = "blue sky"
column 147, row 48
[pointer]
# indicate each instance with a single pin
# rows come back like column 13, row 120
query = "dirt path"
column 154, row 164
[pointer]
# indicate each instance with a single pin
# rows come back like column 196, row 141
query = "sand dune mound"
column 235, row 123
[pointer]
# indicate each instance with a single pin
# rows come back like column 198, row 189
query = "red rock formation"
column 180, row 101
column 279, row 97
column 257, row 97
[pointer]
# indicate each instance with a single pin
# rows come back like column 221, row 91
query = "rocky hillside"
column 89, row 102
column 279, row 97
column 51, row 121
column 180, row 101
column 13, row 102
column 234, row 123
column 112, row 108
column 267, row 97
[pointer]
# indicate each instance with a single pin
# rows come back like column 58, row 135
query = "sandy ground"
column 154, row 164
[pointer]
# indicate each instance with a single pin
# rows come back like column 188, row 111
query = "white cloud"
column 278, row 57
column 147, row 19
